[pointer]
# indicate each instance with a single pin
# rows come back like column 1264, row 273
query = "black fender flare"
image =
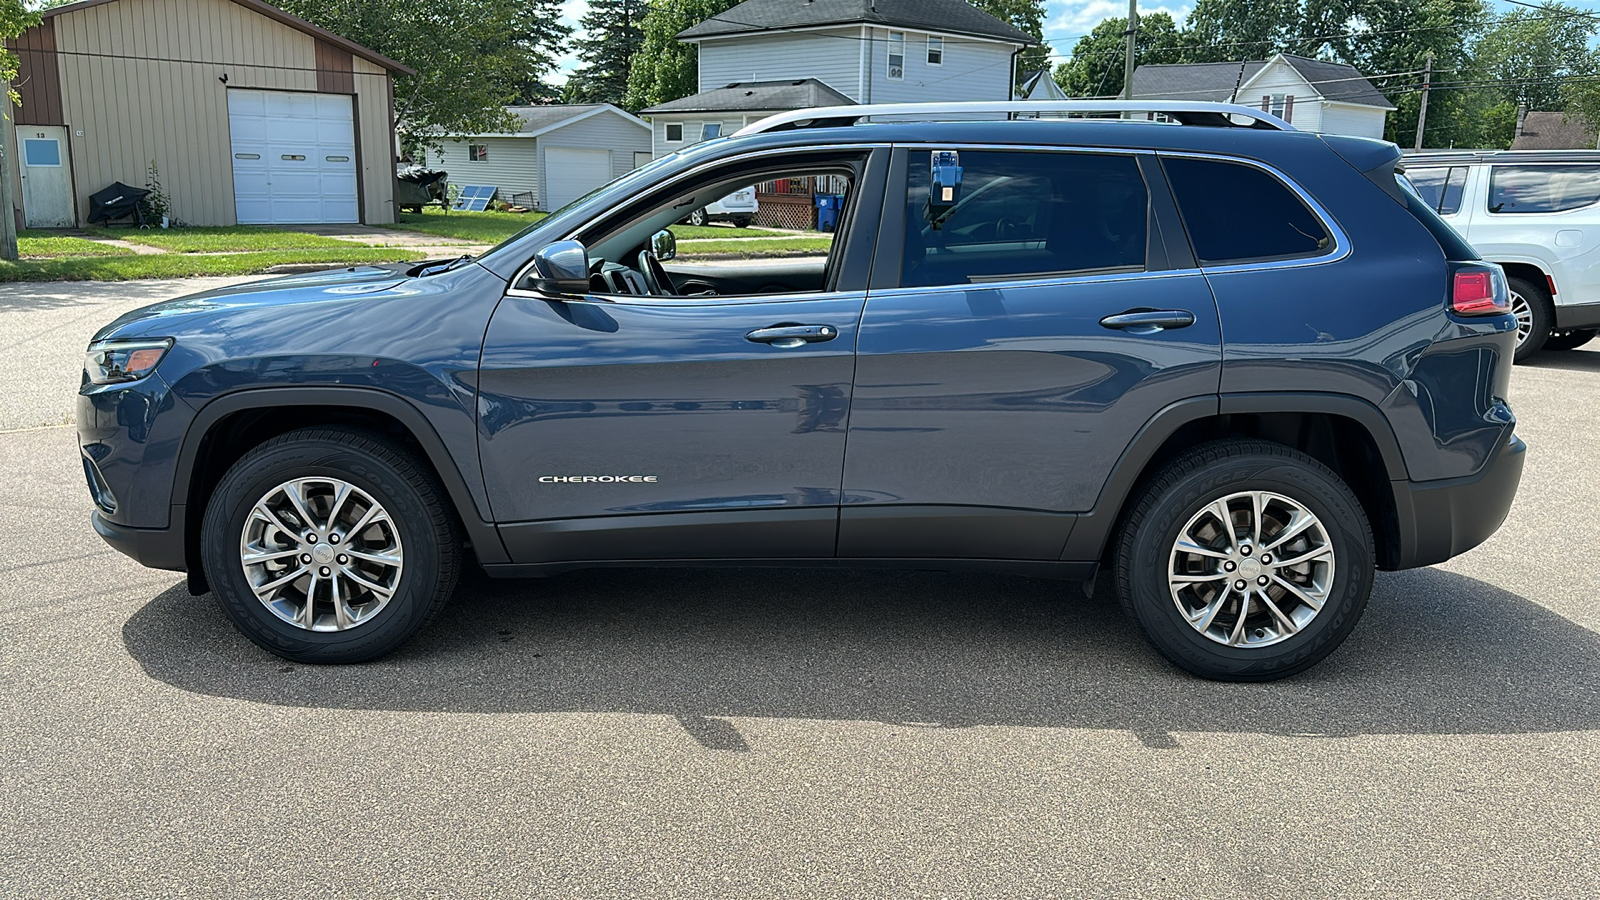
column 484, row 536
column 1093, row 529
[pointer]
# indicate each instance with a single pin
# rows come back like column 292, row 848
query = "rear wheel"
column 1245, row 561
column 698, row 217
column 1571, row 340
column 1530, row 303
column 330, row 546
column 742, row 222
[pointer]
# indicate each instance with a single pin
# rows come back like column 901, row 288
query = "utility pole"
column 8, row 215
column 1422, row 114
column 1127, row 62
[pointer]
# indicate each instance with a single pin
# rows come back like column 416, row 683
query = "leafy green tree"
column 612, row 38
column 1095, row 69
column 472, row 57
column 1532, row 53
column 665, row 68
column 15, row 18
column 1028, row 16
column 1229, row 30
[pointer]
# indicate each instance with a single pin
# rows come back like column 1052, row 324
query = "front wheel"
column 1245, row 561
column 329, row 545
column 698, row 217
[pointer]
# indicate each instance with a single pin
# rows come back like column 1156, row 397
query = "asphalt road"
column 693, row 734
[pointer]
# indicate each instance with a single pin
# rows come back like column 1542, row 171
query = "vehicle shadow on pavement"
column 1437, row 653
column 1584, row 360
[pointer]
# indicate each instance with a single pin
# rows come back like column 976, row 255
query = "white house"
column 837, row 51
column 1310, row 94
column 558, row 154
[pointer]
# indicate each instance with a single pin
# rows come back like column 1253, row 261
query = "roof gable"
column 956, row 17
column 1331, row 81
column 1554, row 131
column 534, row 121
column 278, row 15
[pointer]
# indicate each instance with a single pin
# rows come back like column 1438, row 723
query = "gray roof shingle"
column 1216, row 81
column 535, row 118
column 758, row 96
column 947, row 16
column 1555, row 131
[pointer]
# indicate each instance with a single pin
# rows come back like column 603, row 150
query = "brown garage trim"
column 38, row 76
column 335, row 69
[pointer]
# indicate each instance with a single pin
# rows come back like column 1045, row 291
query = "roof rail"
column 1225, row 115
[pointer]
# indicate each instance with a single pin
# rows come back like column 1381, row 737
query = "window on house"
column 711, row 130
column 477, row 153
column 897, row 55
column 935, row 51
column 1280, row 105
column 1238, row 213
column 674, row 132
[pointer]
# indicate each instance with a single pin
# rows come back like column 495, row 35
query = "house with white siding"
column 556, row 155
column 863, row 51
column 1310, row 94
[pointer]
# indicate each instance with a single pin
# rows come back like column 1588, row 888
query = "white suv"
column 739, row 207
column 1537, row 213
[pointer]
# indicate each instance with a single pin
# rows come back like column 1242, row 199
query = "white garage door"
column 294, row 157
column 570, row 173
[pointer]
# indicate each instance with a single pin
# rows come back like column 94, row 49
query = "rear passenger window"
column 1441, row 186
column 1025, row 215
column 1543, row 189
column 1238, row 213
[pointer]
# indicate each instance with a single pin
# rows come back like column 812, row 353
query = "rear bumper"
column 157, row 548
column 1445, row 518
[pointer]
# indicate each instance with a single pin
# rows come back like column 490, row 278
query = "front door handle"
column 790, row 336
column 1149, row 321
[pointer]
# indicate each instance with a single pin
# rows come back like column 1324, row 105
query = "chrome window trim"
column 1054, row 281
column 689, row 174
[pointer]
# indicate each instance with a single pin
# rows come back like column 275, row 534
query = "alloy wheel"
column 321, row 554
column 1251, row 569
column 1524, row 313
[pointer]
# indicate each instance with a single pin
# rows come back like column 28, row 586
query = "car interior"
column 633, row 260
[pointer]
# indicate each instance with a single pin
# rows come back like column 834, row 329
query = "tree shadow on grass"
column 1437, row 653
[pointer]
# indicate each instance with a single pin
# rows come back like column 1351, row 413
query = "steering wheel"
column 655, row 275
column 1007, row 229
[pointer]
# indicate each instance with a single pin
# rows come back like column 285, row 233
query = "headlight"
column 111, row 362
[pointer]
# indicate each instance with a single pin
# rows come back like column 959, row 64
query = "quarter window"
column 1025, row 215
column 935, row 51
column 674, row 132
column 1238, row 213
column 897, row 55
column 1543, row 189
column 1440, row 186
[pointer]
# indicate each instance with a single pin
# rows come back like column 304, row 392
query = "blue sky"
column 1068, row 19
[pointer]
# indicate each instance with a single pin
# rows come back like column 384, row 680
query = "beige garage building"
column 251, row 115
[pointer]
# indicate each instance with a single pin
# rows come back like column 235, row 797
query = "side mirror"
column 664, row 244
column 561, row 268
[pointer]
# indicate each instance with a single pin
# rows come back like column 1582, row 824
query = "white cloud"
column 1068, row 20
column 572, row 11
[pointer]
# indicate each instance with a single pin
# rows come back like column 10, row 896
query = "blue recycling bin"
column 828, row 206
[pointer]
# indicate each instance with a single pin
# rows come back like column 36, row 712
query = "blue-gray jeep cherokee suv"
column 1236, row 367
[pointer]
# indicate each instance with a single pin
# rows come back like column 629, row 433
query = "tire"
column 1535, row 316
column 1571, row 340
column 697, row 218
column 1261, row 646
column 411, row 528
column 742, row 222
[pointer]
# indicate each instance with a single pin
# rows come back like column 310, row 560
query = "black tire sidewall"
column 1543, row 316
column 263, row 470
column 1151, row 547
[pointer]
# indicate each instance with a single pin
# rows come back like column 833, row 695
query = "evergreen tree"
column 612, row 37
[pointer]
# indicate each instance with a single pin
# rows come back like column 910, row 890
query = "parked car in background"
column 739, row 207
column 1537, row 214
column 1234, row 368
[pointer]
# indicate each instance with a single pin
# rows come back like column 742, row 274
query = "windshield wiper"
column 441, row 268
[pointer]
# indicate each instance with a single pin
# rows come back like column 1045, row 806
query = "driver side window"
column 757, row 232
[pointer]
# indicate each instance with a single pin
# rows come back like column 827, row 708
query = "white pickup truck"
column 1537, row 214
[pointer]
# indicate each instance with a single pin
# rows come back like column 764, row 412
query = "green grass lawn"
column 222, row 239
column 178, row 265
column 46, row 245
column 721, row 233
column 478, row 227
column 757, row 249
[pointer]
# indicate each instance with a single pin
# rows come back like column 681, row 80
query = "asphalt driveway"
column 690, row 733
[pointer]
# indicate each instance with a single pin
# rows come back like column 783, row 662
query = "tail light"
column 1479, row 290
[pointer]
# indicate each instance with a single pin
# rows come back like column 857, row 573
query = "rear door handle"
column 790, row 336
column 1149, row 321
